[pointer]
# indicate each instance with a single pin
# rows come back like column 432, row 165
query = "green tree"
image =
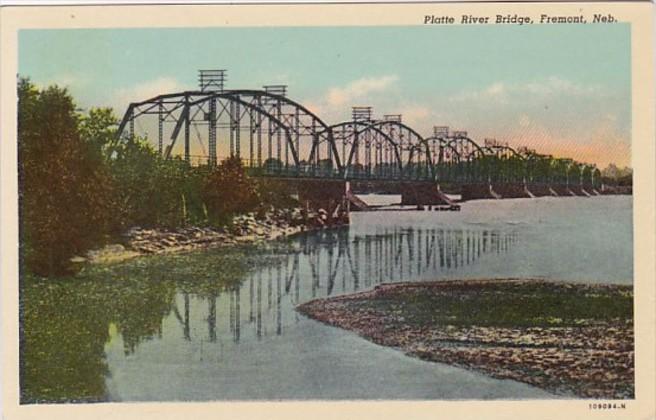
column 65, row 189
column 98, row 128
column 228, row 191
column 152, row 191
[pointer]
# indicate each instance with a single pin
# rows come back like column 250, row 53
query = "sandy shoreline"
column 525, row 330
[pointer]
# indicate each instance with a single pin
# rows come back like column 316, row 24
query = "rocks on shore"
column 108, row 254
column 244, row 229
column 589, row 357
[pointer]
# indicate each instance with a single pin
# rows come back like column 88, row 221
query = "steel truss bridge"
column 276, row 136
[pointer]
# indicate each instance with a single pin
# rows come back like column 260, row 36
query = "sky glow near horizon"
column 564, row 90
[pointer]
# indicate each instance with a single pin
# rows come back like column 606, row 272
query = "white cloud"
column 524, row 121
column 67, row 80
column 603, row 140
column 358, row 89
column 418, row 116
column 552, row 115
column 557, row 86
column 334, row 105
column 496, row 91
column 415, row 114
column 501, row 92
column 145, row 90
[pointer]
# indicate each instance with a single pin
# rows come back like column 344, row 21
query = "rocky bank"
column 244, row 229
column 589, row 355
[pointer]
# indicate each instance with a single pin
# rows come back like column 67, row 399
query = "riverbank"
column 244, row 229
column 569, row 339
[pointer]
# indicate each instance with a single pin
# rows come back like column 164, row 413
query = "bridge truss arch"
column 445, row 158
column 275, row 135
column 367, row 151
column 267, row 131
column 505, row 164
column 473, row 165
column 544, row 169
column 413, row 148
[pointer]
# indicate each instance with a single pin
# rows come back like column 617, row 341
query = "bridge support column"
column 561, row 190
column 423, row 193
column 331, row 196
column 540, row 190
column 479, row 191
column 577, row 190
column 587, row 189
column 508, row 190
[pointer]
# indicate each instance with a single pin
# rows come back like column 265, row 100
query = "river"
column 248, row 342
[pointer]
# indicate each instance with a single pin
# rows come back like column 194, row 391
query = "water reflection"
column 213, row 325
column 65, row 327
column 336, row 262
column 205, row 306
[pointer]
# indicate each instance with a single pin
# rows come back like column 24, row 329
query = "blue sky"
column 562, row 89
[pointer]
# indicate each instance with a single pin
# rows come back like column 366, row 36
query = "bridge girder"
column 286, row 138
column 294, row 136
column 359, row 140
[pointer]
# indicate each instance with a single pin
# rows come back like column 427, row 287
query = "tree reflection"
column 65, row 324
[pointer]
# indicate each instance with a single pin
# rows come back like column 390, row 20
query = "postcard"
column 392, row 210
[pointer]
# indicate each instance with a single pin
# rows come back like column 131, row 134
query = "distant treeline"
column 614, row 176
column 625, row 180
column 622, row 181
column 79, row 185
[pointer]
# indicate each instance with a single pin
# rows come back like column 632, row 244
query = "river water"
column 249, row 343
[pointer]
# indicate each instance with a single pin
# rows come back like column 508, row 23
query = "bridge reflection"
column 329, row 263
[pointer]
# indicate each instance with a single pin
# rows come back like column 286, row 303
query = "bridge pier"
column 376, row 187
column 578, row 191
column 423, row 193
column 561, row 190
column 539, row 190
column 508, row 190
column 479, row 191
column 332, row 196
column 588, row 189
column 616, row 189
column 491, row 191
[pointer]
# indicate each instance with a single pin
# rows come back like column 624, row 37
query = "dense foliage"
column 227, row 191
column 79, row 185
column 65, row 189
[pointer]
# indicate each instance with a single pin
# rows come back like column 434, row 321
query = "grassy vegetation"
column 571, row 339
column 530, row 304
